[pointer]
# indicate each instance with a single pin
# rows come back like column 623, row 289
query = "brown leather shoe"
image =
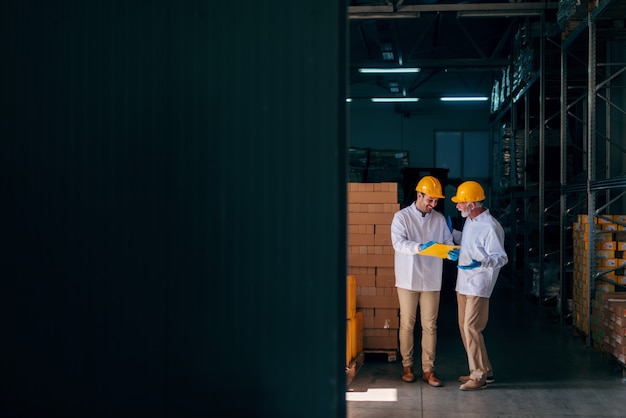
column 465, row 379
column 431, row 379
column 408, row 375
column 473, row 385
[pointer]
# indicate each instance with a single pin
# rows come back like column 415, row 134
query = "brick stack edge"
column 370, row 260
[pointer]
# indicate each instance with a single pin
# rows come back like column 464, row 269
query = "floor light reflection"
column 373, row 395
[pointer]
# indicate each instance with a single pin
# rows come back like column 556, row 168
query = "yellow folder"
column 439, row 250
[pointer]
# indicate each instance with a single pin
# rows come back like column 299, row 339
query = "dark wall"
column 173, row 222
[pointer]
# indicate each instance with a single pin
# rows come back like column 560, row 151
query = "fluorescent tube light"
column 349, row 99
column 388, row 70
column 393, row 99
column 498, row 13
column 463, row 99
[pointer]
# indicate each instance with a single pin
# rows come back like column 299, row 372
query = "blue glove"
column 428, row 244
column 449, row 221
column 453, row 254
column 470, row 266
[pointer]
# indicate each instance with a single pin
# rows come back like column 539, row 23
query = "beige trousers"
column 473, row 314
column 428, row 303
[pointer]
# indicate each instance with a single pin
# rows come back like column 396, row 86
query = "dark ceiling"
column 458, row 54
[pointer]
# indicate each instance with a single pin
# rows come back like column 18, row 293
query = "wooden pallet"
column 392, row 354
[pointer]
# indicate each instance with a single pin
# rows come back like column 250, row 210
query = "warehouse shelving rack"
column 583, row 87
column 531, row 217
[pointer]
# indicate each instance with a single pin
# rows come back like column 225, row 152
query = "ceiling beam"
column 414, row 11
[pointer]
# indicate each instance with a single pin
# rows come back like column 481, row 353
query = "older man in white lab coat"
column 481, row 257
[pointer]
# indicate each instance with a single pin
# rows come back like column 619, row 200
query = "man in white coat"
column 418, row 277
column 481, row 257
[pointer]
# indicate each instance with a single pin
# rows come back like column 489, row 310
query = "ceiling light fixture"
column 388, row 70
column 463, row 99
column 393, row 99
column 498, row 13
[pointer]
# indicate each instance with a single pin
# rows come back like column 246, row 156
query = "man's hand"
column 470, row 266
column 453, row 254
column 424, row 246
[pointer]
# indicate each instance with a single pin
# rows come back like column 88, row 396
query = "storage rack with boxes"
column 609, row 324
column 593, row 100
column 609, row 258
column 525, row 134
column 559, row 153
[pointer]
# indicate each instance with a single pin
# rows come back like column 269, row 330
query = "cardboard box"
column 387, row 291
column 602, row 297
column 380, row 342
column 361, row 239
column 360, row 229
column 383, row 280
column 353, row 337
column 608, row 262
column 605, row 287
column 620, row 279
column 377, row 302
column 366, row 280
column 375, row 260
column 370, row 219
column 348, row 342
column 606, row 245
column 359, row 332
column 617, row 307
column 365, row 291
column 350, row 296
column 358, row 271
column 368, row 322
column 381, row 237
column 372, row 197
column 605, row 253
column 388, row 271
column 387, row 318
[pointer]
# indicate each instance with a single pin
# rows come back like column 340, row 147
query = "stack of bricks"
column 371, row 207
column 609, row 252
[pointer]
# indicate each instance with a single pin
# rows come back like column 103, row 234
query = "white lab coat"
column 483, row 240
column 409, row 229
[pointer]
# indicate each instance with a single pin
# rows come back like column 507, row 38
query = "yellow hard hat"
column 469, row 191
column 430, row 185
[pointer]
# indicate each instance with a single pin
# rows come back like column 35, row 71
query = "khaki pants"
column 428, row 303
column 473, row 314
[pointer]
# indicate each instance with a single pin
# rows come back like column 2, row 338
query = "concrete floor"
column 541, row 368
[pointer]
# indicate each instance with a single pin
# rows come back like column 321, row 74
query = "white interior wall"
column 379, row 126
